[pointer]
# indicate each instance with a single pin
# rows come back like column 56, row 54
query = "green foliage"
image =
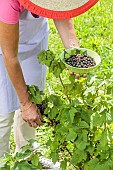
column 27, row 159
column 79, row 112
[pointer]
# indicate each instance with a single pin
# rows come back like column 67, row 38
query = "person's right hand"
column 31, row 114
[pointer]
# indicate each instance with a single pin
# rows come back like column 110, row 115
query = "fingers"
column 33, row 116
column 35, row 120
column 40, row 116
column 32, row 124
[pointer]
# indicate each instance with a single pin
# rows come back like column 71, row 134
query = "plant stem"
column 64, row 88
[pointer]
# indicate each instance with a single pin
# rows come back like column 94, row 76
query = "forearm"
column 66, row 32
column 9, row 37
column 15, row 74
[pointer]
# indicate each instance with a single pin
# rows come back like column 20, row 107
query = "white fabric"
column 33, row 38
column 6, row 121
column 22, row 131
column 30, row 45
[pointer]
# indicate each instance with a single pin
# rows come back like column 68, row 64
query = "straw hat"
column 58, row 9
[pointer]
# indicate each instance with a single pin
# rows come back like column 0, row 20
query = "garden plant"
column 77, row 113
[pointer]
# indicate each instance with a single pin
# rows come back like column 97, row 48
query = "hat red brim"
column 57, row 14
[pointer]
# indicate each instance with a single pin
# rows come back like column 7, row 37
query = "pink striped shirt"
column 10, row 11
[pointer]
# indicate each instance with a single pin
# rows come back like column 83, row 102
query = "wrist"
column 73, row 43
column 25, row 99
column 26, row 107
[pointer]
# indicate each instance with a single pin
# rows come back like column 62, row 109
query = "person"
column 23, row 34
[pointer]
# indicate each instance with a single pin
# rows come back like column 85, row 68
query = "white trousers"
column 22, row 131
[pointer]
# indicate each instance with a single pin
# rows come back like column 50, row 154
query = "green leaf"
column 55, row 100
column 53, row 112
column 81, row 145
column 38, row 99
column 83, row 124
column 90, row 149
column 72, row 112
column 61, row 65
column 73, row 51
column 63, row 164
column 6, row 167
column 78, row 157
column 57, row 71
column 98, row 119
column 26, row 148
column 71, row 135
column 66, row 54
column 72, row 80
column 35, row 160
column 82, row 141
column 78, row 51
column 104, row 140
column 98, row 134
column 85, row 53
column 54, row 157
column 22, row 165
column 91, row 164
column 90, row 91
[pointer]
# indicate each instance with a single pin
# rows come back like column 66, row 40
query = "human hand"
column 31, row 114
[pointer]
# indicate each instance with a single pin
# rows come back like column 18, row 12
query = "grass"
column 94, row 30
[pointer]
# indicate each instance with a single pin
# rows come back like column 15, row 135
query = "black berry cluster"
column 41, row 108
column 80, row 61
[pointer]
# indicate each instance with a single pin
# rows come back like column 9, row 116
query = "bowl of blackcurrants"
column 80, row 60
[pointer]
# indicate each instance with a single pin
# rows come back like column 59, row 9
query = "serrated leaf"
column 54, row 157
column 53, row 112
column 62, row 65
column 25, row 148
column 57, row 71
column 35, row 160
column 72, row 79
column 90, row 91
column 83, row 124
column 22, row 165
column 6, row 167
column 72, row 112
column 80, row 144
column 85, row 53
column 71, row 135
column 98, row 134
column 98, row 119
column 73, row 51
column 63, row 164
column 78, row 157
column 104, row 140
column 92, row 164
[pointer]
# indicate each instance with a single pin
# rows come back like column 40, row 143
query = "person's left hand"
column 31, row 114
